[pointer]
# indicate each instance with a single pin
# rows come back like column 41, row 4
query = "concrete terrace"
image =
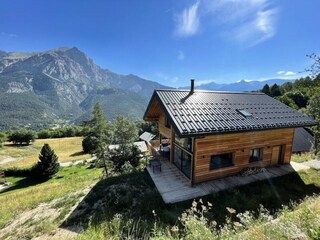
column 175, row 187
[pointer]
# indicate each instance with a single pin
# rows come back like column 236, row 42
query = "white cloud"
column 289, row 73
column 181, row 55
column 286, row 73
column 248, row 22
column 187, row 22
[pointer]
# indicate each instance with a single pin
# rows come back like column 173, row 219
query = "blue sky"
column 171, row 41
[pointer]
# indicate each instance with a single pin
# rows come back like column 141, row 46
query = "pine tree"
column 48, row 162
column 98, row 131
column 266, row 89
column 98, row 136
column 275, row 90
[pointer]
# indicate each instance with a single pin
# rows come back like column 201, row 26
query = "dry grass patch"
column 67, row 149
column 25, row 194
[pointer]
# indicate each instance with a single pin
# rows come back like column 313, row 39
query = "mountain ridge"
column 59, row 80
column 239, row 86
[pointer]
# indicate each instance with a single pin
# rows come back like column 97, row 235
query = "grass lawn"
column 134, row 197
column 303, row 157
column 67, row 149
column 27, row 193
column 126, row 205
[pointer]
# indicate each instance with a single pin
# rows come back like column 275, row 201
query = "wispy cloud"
column 181, row 55
column 167, row 78
column 286, row 73
column 248, row 22
column 260, row 28
column 289, row 73
column 11, row 35
column 187, row 22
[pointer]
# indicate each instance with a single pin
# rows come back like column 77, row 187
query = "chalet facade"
column 209, row 135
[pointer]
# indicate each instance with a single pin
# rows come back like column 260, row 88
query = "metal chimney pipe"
column 192, row 86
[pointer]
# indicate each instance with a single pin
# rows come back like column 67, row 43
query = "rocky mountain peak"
column 60, row 80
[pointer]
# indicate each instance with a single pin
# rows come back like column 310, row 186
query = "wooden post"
column 193, row 158
column 172, row 145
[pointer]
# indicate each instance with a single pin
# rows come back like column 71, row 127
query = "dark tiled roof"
column 207, row 112
column 302, row 140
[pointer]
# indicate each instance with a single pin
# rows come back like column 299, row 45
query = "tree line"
column 303, row 95
column 26, row 136
column 100, row 134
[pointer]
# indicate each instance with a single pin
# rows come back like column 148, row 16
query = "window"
column 255, row 154
column 245, row 113
column 182, row 160
column 221, row 161
column 167, row 123
column 186, row 143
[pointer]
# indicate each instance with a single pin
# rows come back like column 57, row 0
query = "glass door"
column 182, row 160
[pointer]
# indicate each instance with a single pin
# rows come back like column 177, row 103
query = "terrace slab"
column 174, row 187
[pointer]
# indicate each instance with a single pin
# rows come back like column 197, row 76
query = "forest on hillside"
column 302, row 95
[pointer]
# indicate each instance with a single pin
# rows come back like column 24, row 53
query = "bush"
column 123, row 154
column 18, row 172
column 22, row 137
column 89, row 144
column 3, row 138
column 48, row 163
column 43, row 134
column 61, row 132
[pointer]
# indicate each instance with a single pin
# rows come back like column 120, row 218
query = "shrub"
column 123, row 154
column 89, row 144
column 22, row 137
column 48, row 163
column 3, row 138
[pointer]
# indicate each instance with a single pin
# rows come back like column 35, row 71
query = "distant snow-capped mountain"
column 239, row 86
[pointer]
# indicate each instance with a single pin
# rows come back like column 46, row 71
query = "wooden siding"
column 155, row 111
column 240, row 145
column 165, row 131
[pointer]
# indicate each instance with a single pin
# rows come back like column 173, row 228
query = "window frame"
column 251, row 156
column 211, row 168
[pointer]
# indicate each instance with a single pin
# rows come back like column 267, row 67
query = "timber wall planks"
column 240, row 145
column 165, row 131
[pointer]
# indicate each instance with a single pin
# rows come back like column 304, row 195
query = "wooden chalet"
column 209, row 135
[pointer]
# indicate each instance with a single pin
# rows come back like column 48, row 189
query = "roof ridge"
column 208, row 91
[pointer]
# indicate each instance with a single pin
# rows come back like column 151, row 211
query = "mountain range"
column 240, row 86
column 41, row 89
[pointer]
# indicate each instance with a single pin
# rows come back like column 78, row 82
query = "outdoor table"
column 155, row 163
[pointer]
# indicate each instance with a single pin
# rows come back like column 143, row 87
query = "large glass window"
column 221, row 161
column 255, row 154
column 182, row 160
column 186, row 143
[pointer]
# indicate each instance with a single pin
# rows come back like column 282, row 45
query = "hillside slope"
column 56, row 82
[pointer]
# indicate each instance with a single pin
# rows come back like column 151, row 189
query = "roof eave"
column 203, row 134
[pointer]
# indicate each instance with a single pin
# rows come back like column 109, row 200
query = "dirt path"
column 9, row 159
column 41, row 221
column 313, row 163
column 67, row 164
